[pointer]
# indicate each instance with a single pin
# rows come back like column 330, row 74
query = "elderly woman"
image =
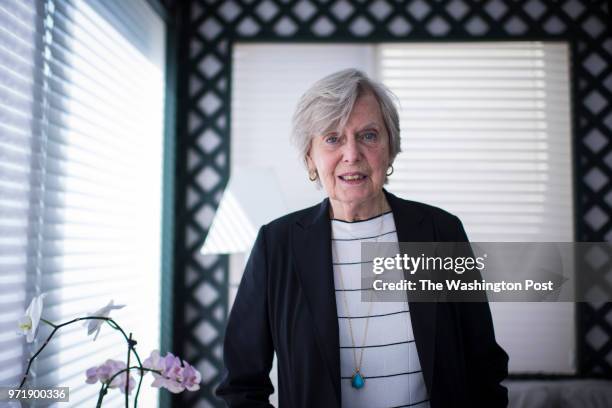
column 300, row 294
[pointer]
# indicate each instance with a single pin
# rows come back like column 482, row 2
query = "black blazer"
column 286, row 303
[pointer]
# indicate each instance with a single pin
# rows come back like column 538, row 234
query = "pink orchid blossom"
column 154, row 362
column 92, row 375
column 173, row 375
column 104, row 372
column 191, row 377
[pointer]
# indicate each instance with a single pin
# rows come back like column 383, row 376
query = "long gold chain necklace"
column 358, row 379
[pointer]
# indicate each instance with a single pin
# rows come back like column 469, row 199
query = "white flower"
column 28, row 323
column 94, row 325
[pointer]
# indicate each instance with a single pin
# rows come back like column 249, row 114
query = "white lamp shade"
column 252, row 198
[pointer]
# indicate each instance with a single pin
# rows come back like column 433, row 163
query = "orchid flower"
column 28, row 323
column 154, row 362
column 95, row 325
column 104, row 372
column 191, row 377
column 173, row 376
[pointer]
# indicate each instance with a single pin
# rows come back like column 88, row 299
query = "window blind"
column 486, row 135
column 19, row 21
column 83, row 219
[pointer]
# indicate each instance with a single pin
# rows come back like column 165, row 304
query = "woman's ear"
column 309, row 162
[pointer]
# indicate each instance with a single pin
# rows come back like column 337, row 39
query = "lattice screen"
column 201, row 298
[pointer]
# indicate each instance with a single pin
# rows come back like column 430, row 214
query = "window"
column 81, row 136
column 486, row 135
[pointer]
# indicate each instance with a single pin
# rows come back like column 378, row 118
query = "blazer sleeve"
column 248, row 347
column 486, row 361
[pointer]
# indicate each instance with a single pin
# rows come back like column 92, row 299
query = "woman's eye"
column 369, row 136
column 331, row 139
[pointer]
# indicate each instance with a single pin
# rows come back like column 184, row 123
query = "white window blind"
column 18, row 24
column 81, row 136
column 485, row 134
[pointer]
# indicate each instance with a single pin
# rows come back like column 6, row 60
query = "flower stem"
column 48, row 322
column 127, row 377
column 115, row 326
column 31, row 360
column 138, row 388
column 103, row 391
column 105, row 385
column 130, row 342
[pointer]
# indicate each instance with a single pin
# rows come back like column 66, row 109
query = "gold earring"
column 390, row 173
column 313, row 175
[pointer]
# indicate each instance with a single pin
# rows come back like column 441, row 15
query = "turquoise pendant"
column 357, row 381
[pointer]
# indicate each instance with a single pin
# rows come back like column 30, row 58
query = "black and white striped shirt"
column 390, row 365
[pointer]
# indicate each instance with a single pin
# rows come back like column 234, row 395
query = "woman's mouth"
column 352, row 178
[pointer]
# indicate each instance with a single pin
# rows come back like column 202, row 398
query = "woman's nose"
column 351, row 151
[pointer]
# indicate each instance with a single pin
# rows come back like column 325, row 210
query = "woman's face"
column 352, row 164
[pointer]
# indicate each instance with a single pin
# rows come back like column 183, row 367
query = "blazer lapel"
column 311, row 242
column 410, row 228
